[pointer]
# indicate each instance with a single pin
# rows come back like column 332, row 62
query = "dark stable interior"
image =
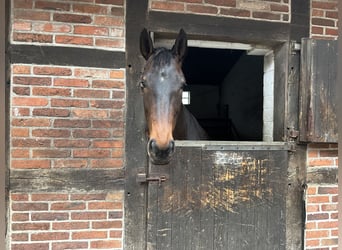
column 226, row 92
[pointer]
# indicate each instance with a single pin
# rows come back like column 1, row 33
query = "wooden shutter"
column 318, row 86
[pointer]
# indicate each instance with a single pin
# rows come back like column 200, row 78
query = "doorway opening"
column 229, row 89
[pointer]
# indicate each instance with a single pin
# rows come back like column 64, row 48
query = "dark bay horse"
column 161, row 84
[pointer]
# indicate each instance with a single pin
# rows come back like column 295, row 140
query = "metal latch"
column 142, row 178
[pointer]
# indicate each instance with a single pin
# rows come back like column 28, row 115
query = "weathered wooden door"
column 219, row 196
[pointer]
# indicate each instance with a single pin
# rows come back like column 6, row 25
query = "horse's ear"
column 146, row 44
column 181, row 45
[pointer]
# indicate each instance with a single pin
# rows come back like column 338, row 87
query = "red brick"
column 71, row 123
column 106, row 163
column 235, row 12
column 31, row 15
column 91, row 30
column 115, row 234
column 106, row 244
column 77, row 40
column 55, row 71
column 29, row 101
column 49, row 216
column 22, row 26
column 72, row 18
column 52, row 27
column 20, row 153
column 53, row 236
column 328, row 190
column 70, row 225
column 108, row 144
column 317, row 233
column 19, row 132
column 312, row 208
column 90, row 114
column 20, row 217
column 68, row 206
column 108, row 124
column 228, row 3
column 89, row 235
column 108, row 84
column 24, row 80
column 50, row 153
column 30, row 226
column 317, row 13
column 324, row 5
column 21, row 112
column 88, row 93
column 266, row 15
column 318, row 199
column 107, row 104
column 321, row 162
column 170, row 6
column 69, row 103
column 107, row 42
column 51, row 133
column 328, row 224
column 71, row 143
column 89, row 215
column 331, row 32
column 314, row 217
column 91, row 73
column 69, row 245
column 312, row 243
column 331, row 14
column 30, row 143
column 316, row 30
column 52, row 6
column 111, row 2
column 21, row 69
column 108, row 205
column 19, row 197
column 30, row 164
column 30, row 246
column 21, row 90
column 91, row 134
column 90, row 153
column 26, row 4
column 106, row 224
column 117, row 74
column 70, row 163
column 51, row 112
column 88, row 197
column 65, row 82
column 118, row 94
column 117, row 11
column 202, row 9
column 329, row 242
column 91, row 9
column 280, row 7
column 322, row 22
column 49, row 197
column 329, row 207
column 117, row 153
column 109, row 21
column 31, row 122
column 19, row 237
column 334, row 216
column 329, row 153
column 32, row 38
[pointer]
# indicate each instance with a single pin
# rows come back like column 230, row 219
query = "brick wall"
column 87, row 23
column 66, row 117
column 58, row 221
column 324, row 16
column 321, row 200
column 269, row 10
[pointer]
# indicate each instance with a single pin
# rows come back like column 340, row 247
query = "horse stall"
column 260, row 79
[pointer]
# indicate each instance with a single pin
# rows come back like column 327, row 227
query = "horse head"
column 161, row 84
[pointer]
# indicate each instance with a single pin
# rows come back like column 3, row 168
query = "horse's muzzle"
column 160, row 156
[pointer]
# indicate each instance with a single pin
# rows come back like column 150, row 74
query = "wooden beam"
column 66, row 180
column 33, row 54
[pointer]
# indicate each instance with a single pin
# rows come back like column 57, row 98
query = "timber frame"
column 279, row 37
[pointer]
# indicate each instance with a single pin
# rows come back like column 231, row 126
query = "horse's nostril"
column 172, row 146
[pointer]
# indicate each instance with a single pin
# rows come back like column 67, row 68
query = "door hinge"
column 294, row 47
column 292, row 136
